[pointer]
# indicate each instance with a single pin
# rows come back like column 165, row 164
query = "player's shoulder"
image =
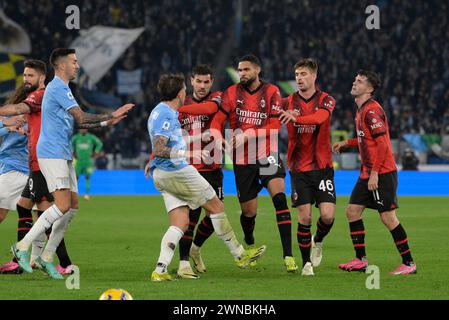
column 271, row 88
column 162, row 111
column 215, row 94
column 326, row 100
column 372, row 105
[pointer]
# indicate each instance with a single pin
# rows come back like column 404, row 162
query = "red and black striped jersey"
column 34, row 102
column 251, row 112
column 371, row 122
column 196, row 124
column 309, row 145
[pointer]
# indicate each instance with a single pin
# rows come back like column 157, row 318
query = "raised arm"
column 88, row 120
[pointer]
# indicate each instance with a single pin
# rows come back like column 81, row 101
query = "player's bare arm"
column 82, row 117
column 110, row 122
column 14, row 109
column 160, row 148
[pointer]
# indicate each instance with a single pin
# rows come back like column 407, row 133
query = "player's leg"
column 248, row 187
column 360, row 199
column 224, row 231
column 88, row 171
column 325, row 197
column 57, row 175
column 205, row 227
column 276, row 188
column 302, row 200
column 399, row 235
column 179, row 220
column 184, row 269
column 3, row 214
column 386, row 199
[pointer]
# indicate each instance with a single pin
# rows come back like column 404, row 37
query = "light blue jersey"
column 163, row 121
column 57, row 122
column 13, row 152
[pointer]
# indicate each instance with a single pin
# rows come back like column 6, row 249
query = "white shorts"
column 59, row 173
column 12, row 184
column 185, row 187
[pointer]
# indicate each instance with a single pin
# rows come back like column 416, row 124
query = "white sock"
column 195, row 248
column 44, row 222
column 224, row 231
column 168, row 245
column 56, row 235
column 184, row 264
column 38, row 246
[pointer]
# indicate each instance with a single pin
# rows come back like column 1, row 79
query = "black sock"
column 63, row 256
column 248, row 224
column 186, row 241
column 401, row 241
column 322, row 230
column 25, row 222
column 284, row 222
column 357, row 230
column 203, row 232
column 304, row 242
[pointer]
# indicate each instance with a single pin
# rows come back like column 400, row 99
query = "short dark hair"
column 251, row 58
column 169, row 85
column 307, row 63
column 203, row 70
column 372, row 77
column 36, row 65
column 59, row 53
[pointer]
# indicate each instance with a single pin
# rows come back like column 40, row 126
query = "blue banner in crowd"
column 133, row 182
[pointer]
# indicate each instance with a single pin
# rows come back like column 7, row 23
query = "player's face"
column 83, row 131
column 360, row 86
column 248, row 72
column 71, row 66
column 305, row 78
column 201, row 85
column 31, row 79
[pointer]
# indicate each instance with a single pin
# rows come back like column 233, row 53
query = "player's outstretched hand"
column 123, row 110
column 114, row 121
column 287, row 116
column 338, row 146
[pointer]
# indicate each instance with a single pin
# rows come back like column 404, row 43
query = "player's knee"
column 3, row 214
column 389, row 219
column 352, row 213
column 280, row 201
column 63, row 207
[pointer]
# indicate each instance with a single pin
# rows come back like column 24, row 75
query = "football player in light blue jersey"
column 59, row 111
column 13, row 163
column 181, row 185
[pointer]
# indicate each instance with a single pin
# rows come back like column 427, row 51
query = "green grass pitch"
column 115, row 242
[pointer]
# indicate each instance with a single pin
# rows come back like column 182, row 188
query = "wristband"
column 103, row 123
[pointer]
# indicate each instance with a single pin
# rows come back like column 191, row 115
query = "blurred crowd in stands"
column 410, row 51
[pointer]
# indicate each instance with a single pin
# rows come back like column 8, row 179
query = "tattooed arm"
column 83, row 118
column 14, row 109
column 161, row 150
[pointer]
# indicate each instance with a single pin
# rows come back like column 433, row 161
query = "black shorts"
column 313, row 187
column 251, row 178
column 383, row 199
column 36, row 188
column 215, row 179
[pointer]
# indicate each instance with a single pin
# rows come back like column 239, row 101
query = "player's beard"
column 31, row 88
column 248, row 82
